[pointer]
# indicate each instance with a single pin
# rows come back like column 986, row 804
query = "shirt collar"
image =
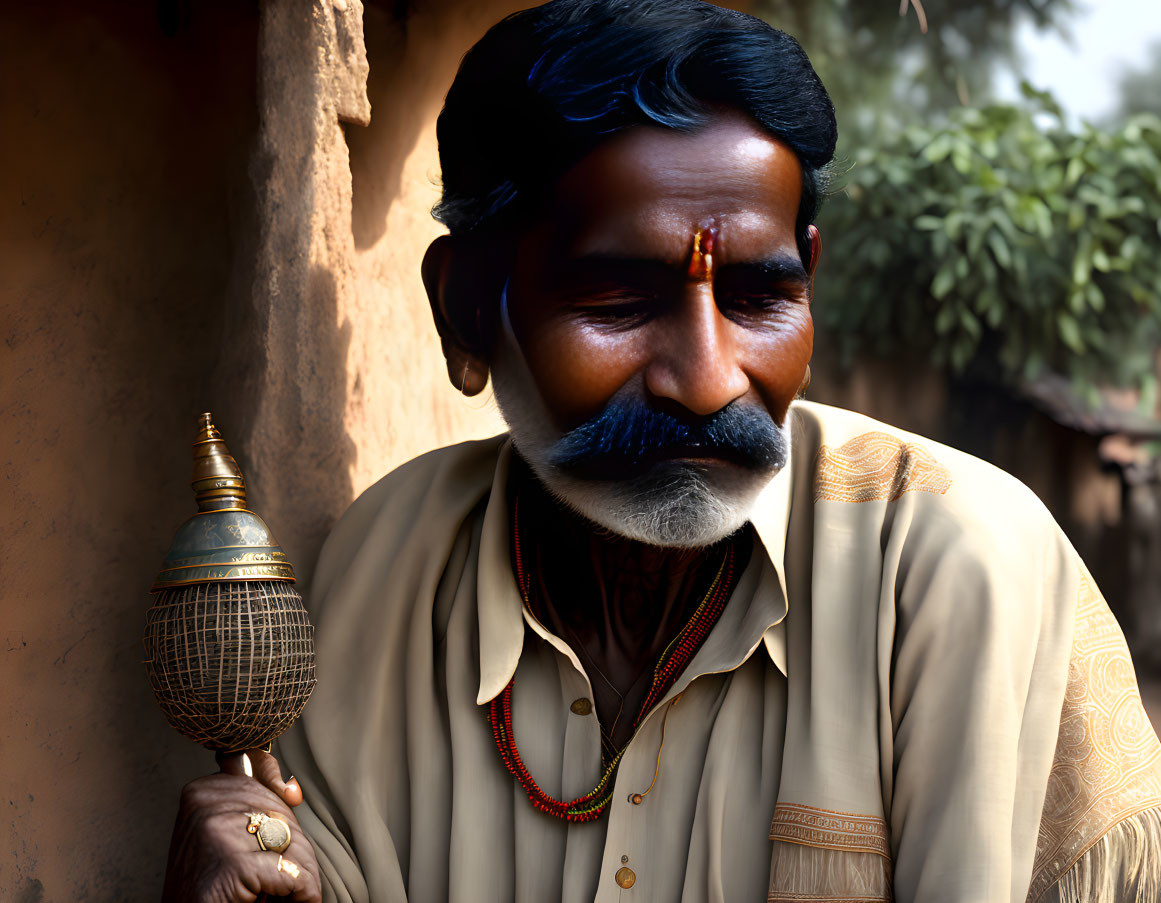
column 503, row 615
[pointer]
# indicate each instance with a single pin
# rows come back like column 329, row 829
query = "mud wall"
column 179, row 233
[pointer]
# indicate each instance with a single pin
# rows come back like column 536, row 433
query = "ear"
column 456, row 309
column 815, row 250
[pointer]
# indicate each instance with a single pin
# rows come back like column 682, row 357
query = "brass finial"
column 224, row 540
column 217, row 480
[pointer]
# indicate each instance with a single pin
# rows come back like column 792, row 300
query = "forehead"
column 648, row 189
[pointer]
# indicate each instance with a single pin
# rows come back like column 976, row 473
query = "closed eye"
column 761, row 288
column 617, row 305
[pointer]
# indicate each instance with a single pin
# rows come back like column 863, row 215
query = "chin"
column 676, row 505
column 680, row 503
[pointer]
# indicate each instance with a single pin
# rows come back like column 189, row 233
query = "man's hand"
column 212, row 857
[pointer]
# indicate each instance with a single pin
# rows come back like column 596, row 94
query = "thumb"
column 267, row 771
column 264, row 768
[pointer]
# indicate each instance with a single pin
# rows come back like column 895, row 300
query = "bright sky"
column 1108, row 36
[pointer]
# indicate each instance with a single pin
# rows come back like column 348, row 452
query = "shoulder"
column 431, row 477
column 853, row 459
column 963, row 566
column 423, row 501
column 940, row 517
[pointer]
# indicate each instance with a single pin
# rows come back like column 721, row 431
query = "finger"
column 267, row 771
column 264, row 768
column 281, row 876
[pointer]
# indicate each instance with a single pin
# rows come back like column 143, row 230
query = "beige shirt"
column 914, row 693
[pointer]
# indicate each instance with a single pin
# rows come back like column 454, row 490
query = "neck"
column 619, row 600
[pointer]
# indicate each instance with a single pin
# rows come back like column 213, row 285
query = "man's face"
column 657, row 328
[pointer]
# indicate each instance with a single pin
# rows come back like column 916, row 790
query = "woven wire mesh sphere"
column 231, row 662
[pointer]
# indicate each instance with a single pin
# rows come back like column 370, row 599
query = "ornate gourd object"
column 229, row 648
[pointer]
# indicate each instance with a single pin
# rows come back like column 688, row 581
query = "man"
column 678, row 637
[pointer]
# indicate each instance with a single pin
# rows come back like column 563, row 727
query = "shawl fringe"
column 1124, row 866
column 804, row 874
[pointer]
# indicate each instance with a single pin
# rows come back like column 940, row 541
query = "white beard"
column 676, row 505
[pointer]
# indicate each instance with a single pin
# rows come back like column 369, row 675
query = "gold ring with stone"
column 271, row 831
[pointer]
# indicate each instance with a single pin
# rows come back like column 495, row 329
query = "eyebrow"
column 777, row 268
column 615, row 266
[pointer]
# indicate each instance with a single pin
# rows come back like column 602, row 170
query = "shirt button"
column 581, row 706
column 625, row 877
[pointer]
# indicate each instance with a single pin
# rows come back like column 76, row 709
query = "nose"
column 696, row 361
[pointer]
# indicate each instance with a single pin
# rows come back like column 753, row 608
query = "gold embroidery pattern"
column 1107, row 766
column 830, row 830
column 877, row 466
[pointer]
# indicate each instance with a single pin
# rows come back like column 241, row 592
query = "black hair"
column 546, row 85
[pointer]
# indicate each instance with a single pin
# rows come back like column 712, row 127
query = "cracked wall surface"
column 124, row 145
column 180, row 233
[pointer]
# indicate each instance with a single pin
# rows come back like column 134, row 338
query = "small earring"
column 464, row 381
column 804, row 385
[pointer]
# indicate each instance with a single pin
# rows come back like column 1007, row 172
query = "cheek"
column 578, row 368
column 777, row 359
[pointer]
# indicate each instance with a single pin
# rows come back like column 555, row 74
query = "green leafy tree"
column 1002, row 241
column 990, row 237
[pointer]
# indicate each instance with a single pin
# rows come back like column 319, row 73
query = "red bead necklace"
column 671, row 663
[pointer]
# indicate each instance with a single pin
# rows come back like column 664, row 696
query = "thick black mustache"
column 628, row 434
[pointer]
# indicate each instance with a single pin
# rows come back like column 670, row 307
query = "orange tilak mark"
column 701, row 260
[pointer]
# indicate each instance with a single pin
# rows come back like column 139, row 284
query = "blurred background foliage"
column 999, row 242
column 1002, row 241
